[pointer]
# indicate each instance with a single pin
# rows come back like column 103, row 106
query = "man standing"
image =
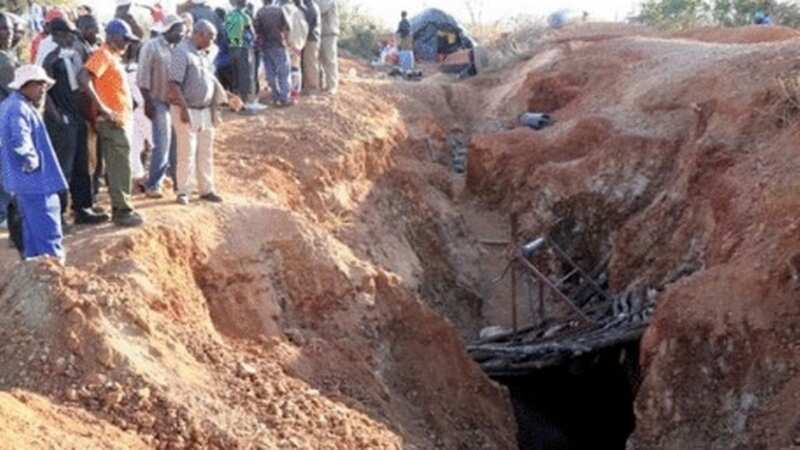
column 404, row 33
column 66, row 123
column 30, row 170
column 271, row 27
column 8, row 64
column 329, row 50
column 311, row 50
column 240, row 34
column 153, row 81
column 195, row 92
column 124, row 13
column 103, row 79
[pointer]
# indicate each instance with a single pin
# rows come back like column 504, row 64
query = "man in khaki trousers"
column 311, row 50
column 195, row 92
column 329, row 52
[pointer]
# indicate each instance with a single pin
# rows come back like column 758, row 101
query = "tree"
column 687, row 13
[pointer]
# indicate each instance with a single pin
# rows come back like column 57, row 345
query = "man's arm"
column 177, row 97
column 144, row 79
column 177, row 73
column 21, row 141
column 86, row 81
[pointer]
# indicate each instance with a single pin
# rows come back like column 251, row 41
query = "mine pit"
column 572, row 373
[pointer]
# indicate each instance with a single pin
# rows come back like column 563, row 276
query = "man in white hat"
column 153, row 81
column 30, row 168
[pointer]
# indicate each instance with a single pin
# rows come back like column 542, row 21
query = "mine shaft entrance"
column 585, row 404
column 572, row 375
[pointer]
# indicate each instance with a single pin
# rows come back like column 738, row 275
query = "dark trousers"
column 70, row 143
column 243, row 60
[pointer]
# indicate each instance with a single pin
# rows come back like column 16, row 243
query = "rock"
column 97, row 379
column 72, row 394
column 113, row 398
column 143, row 394
column 105, row 355
column 244, row 370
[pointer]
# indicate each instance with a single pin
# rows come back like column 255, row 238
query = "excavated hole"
column 585, row 404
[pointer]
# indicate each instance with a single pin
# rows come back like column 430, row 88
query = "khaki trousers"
column 329, row 62
column 195, row 148
column 117, row 154
column 311, row 65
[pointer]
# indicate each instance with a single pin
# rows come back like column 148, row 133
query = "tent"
column 434, row 28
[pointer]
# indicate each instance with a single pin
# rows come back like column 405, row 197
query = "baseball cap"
column 118, row 27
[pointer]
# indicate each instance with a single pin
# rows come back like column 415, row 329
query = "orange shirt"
column 111, row 83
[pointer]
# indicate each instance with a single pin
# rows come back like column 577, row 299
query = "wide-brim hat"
column 27, row 73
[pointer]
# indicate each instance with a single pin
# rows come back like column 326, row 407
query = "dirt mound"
column 672, row 157
column 752, row 34
column 297, row 315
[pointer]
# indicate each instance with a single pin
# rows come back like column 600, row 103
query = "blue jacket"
column 23, row 142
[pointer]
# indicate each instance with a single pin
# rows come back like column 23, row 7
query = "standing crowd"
column 87, row 106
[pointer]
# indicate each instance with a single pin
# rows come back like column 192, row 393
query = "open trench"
column 583, row 402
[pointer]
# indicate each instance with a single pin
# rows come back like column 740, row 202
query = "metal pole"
column 545, row 280
column 514, row 276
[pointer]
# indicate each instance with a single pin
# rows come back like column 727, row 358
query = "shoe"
column 87, row 216
column 128, row 219
column 183, row 199
column 154, row 193
column 211, row 197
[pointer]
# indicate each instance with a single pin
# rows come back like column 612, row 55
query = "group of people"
column 67, row 117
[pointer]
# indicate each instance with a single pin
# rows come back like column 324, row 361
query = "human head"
column 63, row 32
column 119, row 35
column 6, row 32
column 203, row 34
column 32, row 82
column 267, row 2
column 404, row 14
column 124, row 6
column 52, row 14
column 84, row 10
column 174, row 29
column 238, row 3
column 88, row 27
column 188, row 23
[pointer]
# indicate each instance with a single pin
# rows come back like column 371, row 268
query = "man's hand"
column 110, row 115
column 185, row 118
column 31, row 163
column 150, row 110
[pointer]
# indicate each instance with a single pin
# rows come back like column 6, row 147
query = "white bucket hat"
column 28, row 73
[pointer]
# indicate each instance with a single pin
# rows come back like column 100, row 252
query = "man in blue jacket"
column 31, row 172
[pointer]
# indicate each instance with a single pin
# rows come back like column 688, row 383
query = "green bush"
column 689, row 13
column 359, row 31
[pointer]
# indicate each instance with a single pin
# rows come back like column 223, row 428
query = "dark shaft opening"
column 584, row 404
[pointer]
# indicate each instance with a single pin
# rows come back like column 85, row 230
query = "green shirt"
column 237, row 23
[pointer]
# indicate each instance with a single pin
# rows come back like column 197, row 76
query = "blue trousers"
column 5, row 199
column 278, row 67
column 41, row 225
column 161, row 160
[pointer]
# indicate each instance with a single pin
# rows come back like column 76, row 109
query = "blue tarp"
column 425, row 28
